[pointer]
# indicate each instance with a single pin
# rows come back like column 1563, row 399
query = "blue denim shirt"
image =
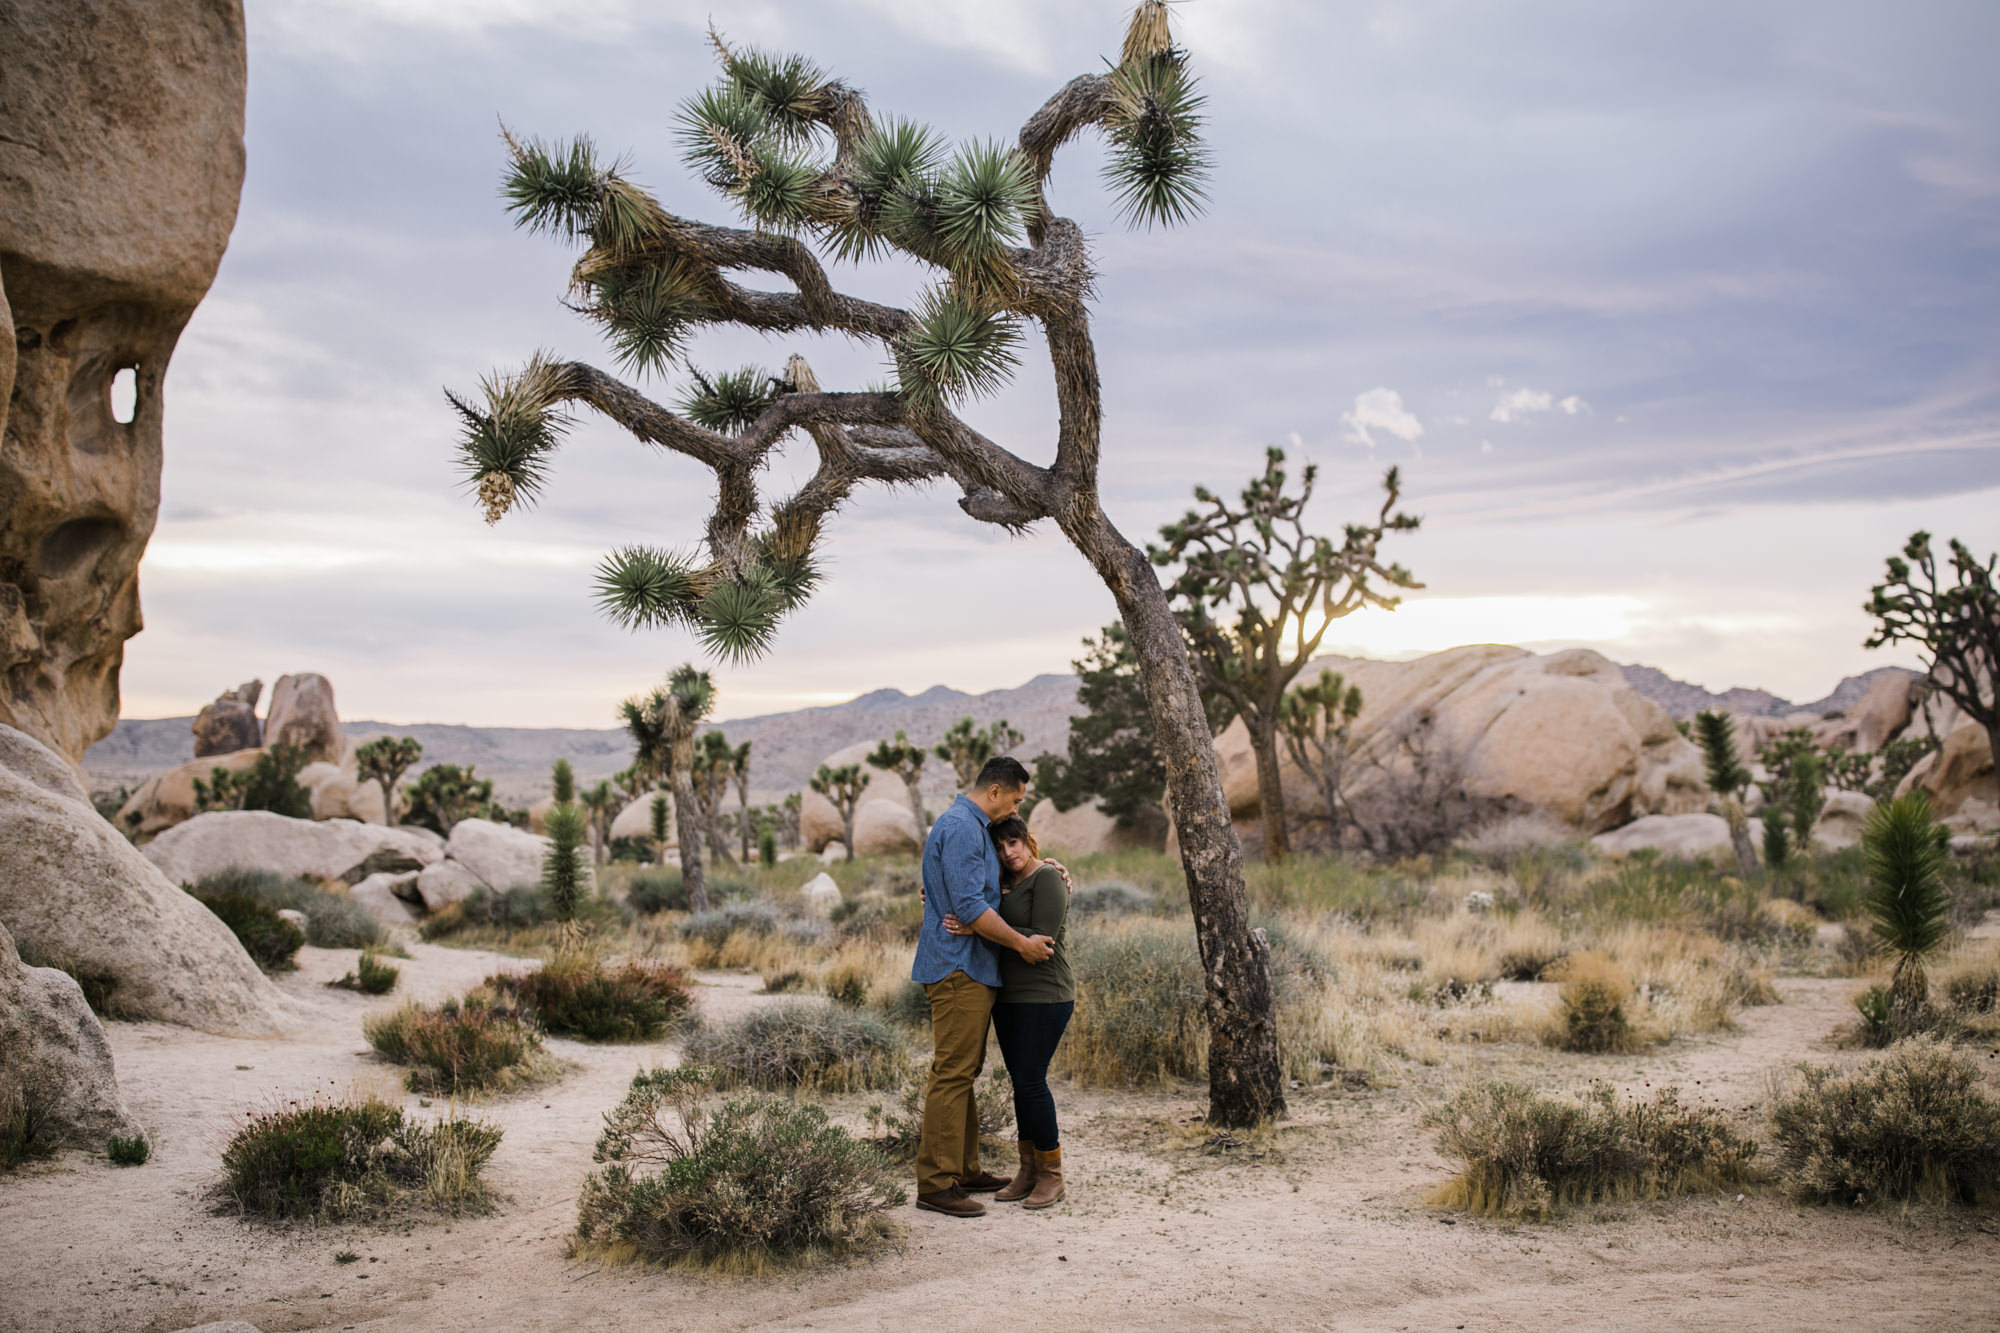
column 962, row 877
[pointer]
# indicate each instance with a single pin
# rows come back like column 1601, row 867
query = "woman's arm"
column 1050, row 906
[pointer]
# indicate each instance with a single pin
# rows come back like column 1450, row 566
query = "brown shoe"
column 1024, row 1179
column 1048, row 1179
column 984, row 1183
column 953, row 1202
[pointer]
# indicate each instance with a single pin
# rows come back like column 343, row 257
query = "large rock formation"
column 501, row 855
column 1563, row 733
column 334, row 849
column 302, row 715
column 167, row 800
column 53, row 1053
column 1085, row 830
column 120, row 167
column 1688, row 836
column 229, row 723
column 73, row 890
column 1961, row 770
column 820, row 824
column 636, row 821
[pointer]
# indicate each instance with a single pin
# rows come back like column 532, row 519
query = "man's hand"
column 1036, row 949
column 1062, row 870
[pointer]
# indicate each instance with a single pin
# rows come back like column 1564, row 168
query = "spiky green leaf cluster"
column 731, row 400
column 750, row 135
column 644, row 587
column 985, row 201
column 1906, row 853
column 1157, row 167
column 787, row 91
column 891, row 167
column 1717, row 735
column 956, row 349
column 504, row 449
column 646, row 309
column 738, row 618
column 553, row 187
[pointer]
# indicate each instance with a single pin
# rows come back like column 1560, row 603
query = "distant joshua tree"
column 562, row 782
column 967, row 746
column 600, row 807
column 842, row 788
column 807, row 163
column 906, row 761
column 1728, row 779
column 383, row 761
column 662, row 726
column 445, row 794
column 1256, row 593
column 739, row 778
column 714, row 764
column 1315, row 720
column 1955, row 625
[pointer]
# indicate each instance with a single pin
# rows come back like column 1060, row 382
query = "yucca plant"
column 966, row 746
column 1729, row 779
column 564, row 875
column 814, row 172
column 1906, row 853
column 662, row 726
column 842, row 788
column 906, row 761
column 383, row 761
column 1315, row 720
column 656, row 825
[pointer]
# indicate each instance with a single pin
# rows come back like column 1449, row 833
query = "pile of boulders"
column 885, row 820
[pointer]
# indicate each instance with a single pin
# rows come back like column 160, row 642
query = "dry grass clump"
column 800, row 1044
column 756, row 936
column 518, row 919
column 460, row 1047
column 896, row 1129
column 336, row 1159
column 1914, row 1124
column 1523, row 1154
column 1112, row 898
column 575, row 995
column 1594, row 993
column 1967, row 989
column 371, row 976
column 1139, row 1005
column 31, row 1112
column 333, row 920
column 754, row 1184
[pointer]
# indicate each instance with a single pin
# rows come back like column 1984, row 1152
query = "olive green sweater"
column 1038, row 905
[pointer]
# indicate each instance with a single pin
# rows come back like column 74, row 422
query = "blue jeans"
column 1028, row 1036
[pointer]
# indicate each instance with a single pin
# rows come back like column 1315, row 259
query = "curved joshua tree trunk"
column 687, row 823
column 1270, row 787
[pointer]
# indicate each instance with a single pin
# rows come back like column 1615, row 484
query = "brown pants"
column 961, row 1009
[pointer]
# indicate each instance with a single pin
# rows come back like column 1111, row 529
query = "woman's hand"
column 953, row 926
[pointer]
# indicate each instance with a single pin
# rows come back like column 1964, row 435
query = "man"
column 959, row 973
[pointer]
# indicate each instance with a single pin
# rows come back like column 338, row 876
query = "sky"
column 1677, row 319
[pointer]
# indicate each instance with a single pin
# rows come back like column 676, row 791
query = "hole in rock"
column 76, row 541
column 125, row 396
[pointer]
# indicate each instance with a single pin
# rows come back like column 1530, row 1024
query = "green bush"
column 133, row 1150
column 268, row 938
column 1139, row 1014
column 574, row 995
column 884, row 919
column 489, row 911
column 755, row 1183
column 332, row 1160
column 333, row 921
column 799, row 1044
column 1523, row 1154
column 1913, row 1125
column 371, row 976
column 461, row 1046
column 1112, row 897
column 759, row 917
column 656, row 890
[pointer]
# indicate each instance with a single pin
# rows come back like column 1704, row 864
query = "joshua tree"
column 562, row 863
column 1796, row 790
column 788, row 818
column 1906, row 854
column 1315, row 720
column 714, row 765
column 801, row 156
column 1256, row 594
column 600, row 807
column 562, row 782
column 444, row 794
column 1956, row 626
column 842, row 787
column 384, row 760
column 906, row 761
column 739, row 778
column 662, row 726
column 967, row 746
column 656, row 826
column 1728, row 779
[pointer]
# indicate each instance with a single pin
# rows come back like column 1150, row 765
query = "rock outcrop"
column 1960, row 770
column 1841, row 820
column 72, row 889
column 387, row 897
column 1086, row 830
column 302, row 715
column 120, row 169
column 1563, row 734
column 334, row 849
column 167, row 800
column 53, row 1053
column 229, row 723
column 499, row 854
column 1687, row 836
column 636, row 821
column 820, row 824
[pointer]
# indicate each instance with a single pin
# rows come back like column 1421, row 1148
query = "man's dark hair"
column 1002, row 771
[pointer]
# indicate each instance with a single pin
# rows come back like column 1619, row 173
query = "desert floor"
column 1321, row 1225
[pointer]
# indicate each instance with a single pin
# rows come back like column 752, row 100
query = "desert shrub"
column 883, row 919
column 1971, row 988
column 1913, row 1124
column 1594, row 993
column 756, row 1182
column 849, row 982
column 1878, row 1017
column 800, row 1044
column 736, row 934
column 1523, row 1154
column 333, row 921
column 129, row 1150
column 657, row 889
column 268, row 938
column 31, row 1124
column 907, row 1004
column 1111, row 898
column 1139, row 1013
column 331, row 1160
column 575, row 995
column 898, row 1128
column 461, row 1046
column 371, row 976
column 500, row 912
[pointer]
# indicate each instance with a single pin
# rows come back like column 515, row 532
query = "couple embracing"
column 991, row 952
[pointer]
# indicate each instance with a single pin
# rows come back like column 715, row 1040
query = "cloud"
column 1524, row 402
column 1383, row 410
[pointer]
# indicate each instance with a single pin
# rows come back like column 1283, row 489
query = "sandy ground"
column 1324, row 1228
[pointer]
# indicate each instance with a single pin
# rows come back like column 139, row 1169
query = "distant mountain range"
column 786, row 748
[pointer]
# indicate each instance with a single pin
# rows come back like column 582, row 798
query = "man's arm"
column 963, row 863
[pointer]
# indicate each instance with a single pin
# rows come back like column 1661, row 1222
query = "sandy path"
column 1329, row 1232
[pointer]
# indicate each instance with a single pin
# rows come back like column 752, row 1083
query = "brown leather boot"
column 983, row 1183
column 1024, row 1179
column 1048, row 1179
column 953, row 1202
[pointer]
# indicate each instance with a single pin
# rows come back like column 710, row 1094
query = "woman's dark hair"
column 1015, row 829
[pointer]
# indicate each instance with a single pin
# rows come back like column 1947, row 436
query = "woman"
column 1034, row 1006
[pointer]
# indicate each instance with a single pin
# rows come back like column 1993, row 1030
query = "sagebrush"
column 577, row 995
column 800, row 1044
column 329, row 1160
column 461, row 1046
